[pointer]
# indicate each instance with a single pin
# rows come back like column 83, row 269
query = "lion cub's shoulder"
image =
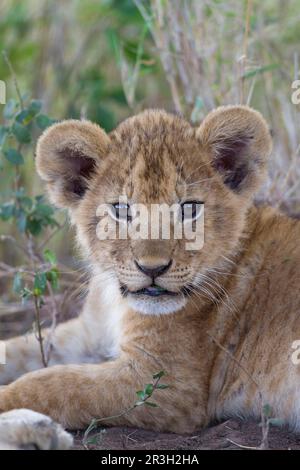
column 273, row 245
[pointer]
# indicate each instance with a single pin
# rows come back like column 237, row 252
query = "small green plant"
column 30, row 214
column 43, row 280
column 21, row 120
column 143, row 396
column 267, row 420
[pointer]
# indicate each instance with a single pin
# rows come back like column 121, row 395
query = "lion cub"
column 221, row 319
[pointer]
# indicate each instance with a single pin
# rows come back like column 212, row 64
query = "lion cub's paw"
column 26, row 429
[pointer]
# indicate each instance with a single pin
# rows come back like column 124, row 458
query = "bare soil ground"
column 227, row 435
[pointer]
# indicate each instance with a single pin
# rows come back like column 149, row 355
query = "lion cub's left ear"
column 238, row 142
column 67, row 157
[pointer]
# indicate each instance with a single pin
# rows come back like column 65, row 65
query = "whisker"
column 196, row 169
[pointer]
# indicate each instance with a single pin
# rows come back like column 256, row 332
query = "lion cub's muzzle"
column 155, row 297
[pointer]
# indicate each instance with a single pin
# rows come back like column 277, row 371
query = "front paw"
column 26, row 429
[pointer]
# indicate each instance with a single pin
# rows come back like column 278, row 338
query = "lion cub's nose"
column 153, row 270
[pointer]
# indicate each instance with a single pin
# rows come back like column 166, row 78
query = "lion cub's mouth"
column 155, row 300
column 151, row 291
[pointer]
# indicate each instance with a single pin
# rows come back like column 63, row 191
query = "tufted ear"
column 238, row 142
column 67, row 156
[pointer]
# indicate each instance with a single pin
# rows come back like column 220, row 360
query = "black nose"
column 153, row 271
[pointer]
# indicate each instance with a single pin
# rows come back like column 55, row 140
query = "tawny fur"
column 245, row 302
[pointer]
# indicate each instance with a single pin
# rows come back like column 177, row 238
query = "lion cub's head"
column 207, row 174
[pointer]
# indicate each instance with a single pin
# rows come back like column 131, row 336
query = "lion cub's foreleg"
column 75, row 394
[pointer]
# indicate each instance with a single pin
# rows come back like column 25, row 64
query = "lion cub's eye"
column 191, row 210
column 121, row 211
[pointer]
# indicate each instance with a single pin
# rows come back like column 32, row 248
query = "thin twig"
column 39, row 330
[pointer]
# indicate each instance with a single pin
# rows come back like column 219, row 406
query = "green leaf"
column 149, row 389
column 267, row 410
column 52, row 277
column 21, row 133
column 40, row 198
column 25, row 202
column 7, row 210
column 150, row 403
column 141, row 395
column 34, row 226
column 162, row 386
column 35, row 106
column 44, row 210
column 44, row 121
column 50, row 257
column 24, row 117
column 159, row 375
column 10, row 109
column 40, row 283
column 40, row 217
column 276, row 422
column 18, row 283
column 14, row 156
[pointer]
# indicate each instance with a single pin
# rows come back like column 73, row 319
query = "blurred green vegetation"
column 107, row 59
column 67, row 53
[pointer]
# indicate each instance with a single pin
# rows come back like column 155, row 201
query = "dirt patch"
column 215, row 437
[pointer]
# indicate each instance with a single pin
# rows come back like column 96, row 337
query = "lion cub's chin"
column 156, row 306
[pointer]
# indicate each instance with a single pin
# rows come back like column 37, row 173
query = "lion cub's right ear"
column 68, row 154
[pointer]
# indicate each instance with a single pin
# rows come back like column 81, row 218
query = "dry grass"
column 227, row 52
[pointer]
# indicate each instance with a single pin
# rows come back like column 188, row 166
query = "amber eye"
column 121, row 211
column 191, row 210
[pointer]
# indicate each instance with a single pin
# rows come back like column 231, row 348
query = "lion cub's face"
column 205, row 175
